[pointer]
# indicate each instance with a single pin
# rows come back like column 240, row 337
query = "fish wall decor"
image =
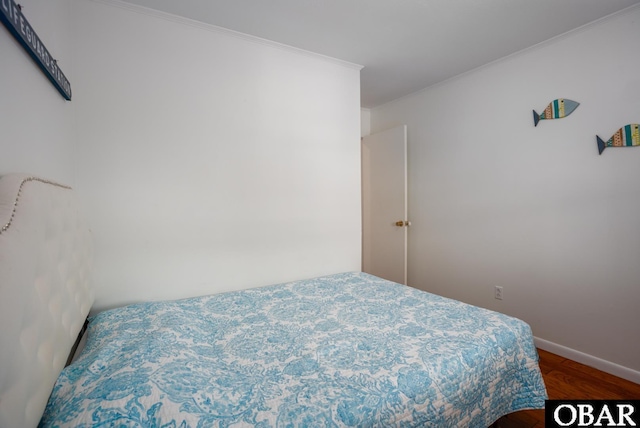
column 627, row 136
column 557, row 109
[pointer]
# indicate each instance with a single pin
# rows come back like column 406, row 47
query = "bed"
column 348, row 349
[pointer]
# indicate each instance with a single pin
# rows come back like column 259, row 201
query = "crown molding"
column 225, row 31
column 543, row 44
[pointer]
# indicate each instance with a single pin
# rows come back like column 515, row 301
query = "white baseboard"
column 589, row 360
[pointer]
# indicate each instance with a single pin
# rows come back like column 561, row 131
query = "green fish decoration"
column 627, row 136
column 557, row 109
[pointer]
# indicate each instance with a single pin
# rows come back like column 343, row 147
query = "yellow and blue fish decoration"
column 627, row 136
column 557, row 109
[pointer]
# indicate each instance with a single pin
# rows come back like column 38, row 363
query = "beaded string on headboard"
column 15, row 203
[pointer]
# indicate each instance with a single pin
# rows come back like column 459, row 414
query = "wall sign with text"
column 12, row 17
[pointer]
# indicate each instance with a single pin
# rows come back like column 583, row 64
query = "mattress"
column 344, row 350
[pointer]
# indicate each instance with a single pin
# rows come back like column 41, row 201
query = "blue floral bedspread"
column 343, row 350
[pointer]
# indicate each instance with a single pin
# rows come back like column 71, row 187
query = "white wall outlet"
column 498, row 292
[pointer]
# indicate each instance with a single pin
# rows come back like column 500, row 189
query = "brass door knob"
column 402, row 223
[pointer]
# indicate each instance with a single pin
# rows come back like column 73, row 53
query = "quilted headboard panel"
column 45, row 254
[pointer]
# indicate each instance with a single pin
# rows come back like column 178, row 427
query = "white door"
column 384, row 204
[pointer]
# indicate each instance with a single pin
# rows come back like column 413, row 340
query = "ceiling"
column 404, row 45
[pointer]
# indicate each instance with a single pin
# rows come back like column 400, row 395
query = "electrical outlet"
column 498, row 292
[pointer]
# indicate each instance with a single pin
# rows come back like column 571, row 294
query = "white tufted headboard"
column 45, row 254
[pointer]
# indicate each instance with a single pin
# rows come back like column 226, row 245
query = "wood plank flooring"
column 568, row 380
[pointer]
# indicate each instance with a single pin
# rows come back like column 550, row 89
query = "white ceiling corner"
column 404, row 45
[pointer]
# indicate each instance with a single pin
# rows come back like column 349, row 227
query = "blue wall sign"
column 12, row 17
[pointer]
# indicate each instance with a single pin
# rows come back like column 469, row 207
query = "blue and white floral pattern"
column 344, row 350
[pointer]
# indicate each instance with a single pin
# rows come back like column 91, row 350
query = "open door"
column 384, row 204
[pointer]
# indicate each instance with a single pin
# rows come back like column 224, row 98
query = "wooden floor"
column 567, row 380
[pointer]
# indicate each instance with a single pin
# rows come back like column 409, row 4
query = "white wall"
column 365, row 122
column 494, row 200
column 37, row 122
column 211, row 161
